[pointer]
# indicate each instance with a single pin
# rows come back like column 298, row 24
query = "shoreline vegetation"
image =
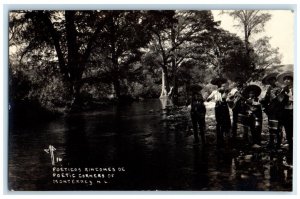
column 24, row 101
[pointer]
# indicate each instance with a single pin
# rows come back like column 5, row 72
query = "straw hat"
column 282, row 76
column 252, row 88
column 267, row 77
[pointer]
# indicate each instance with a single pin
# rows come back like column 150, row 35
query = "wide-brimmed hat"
column 218, row 81
column 282, row 76
column 266, row 78
column 195, row 88
column 254, row 88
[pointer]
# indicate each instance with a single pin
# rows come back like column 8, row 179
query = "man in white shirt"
column 221, row 112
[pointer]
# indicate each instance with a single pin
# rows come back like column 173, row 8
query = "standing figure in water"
column 272, row 108
column 198, row 112
column 223, row 123
column 254, row 110
column 286, row 99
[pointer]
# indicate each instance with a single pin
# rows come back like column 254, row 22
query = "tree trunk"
column 117, row 88
column 174, row 94
column 247, row 61
column 73, row 58
column 187, row 89
column 114, row 59
column 165, row 88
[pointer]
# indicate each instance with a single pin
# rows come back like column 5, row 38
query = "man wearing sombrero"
column 254, row 110
column 272, row 108
column 198, row 112
column 221, row 109
column 286, row 99
column 234, row 101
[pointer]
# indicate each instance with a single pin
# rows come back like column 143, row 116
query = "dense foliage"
column 63, row 60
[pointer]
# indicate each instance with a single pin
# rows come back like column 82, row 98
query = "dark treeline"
column 65, row 60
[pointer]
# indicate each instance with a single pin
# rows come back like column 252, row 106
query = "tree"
column 121, row 41
column 174, row 42
column 265, row 55
column 159, row 24
column 61, row 39
column 227, row 55
column 251, row 22
column 216, row 51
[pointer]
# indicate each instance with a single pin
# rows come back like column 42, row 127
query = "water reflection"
column 200, row 178
column 165, row 102
column 77, row 151
column 136, row 137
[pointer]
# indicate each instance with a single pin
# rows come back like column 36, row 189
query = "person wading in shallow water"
column 198, row 112
column 286, row 100
column 235, row 100
column 221, row 109
column 272, row 108
column 254, row 110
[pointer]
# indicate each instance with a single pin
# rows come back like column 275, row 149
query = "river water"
column 130, row 147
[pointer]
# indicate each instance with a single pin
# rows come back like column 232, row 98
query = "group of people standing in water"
column 247, row 110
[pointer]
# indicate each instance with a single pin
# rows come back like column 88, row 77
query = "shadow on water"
column 135, row 137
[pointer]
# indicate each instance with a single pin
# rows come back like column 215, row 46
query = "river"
column 130, row 147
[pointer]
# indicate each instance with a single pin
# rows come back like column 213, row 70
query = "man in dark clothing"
column 254, row 111
column 273, row 109
column 286, row 99
column 234, row 101
column 198, row 112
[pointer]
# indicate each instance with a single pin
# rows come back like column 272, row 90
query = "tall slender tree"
column 251, row 22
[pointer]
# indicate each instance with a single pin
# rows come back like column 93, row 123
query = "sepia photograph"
column 151, row 100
